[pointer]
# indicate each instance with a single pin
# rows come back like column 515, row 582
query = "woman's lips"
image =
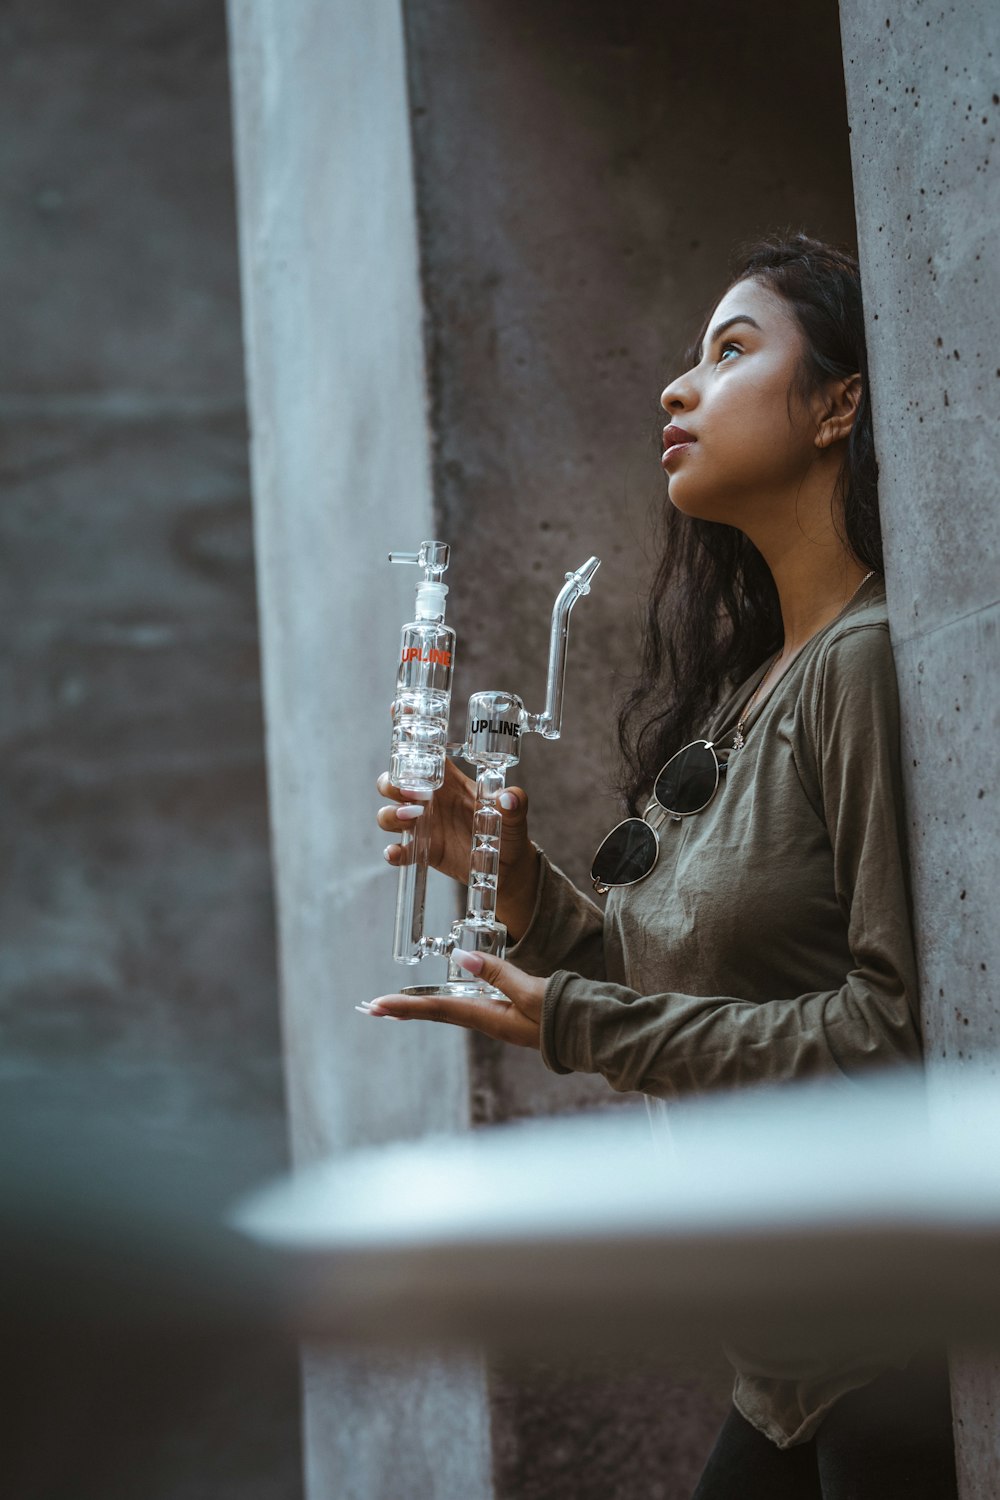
column 675, row 439
column 674, row 451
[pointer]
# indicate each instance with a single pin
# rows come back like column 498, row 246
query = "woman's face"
column 749, row 455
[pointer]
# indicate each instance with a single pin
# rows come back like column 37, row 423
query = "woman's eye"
column 728, row 345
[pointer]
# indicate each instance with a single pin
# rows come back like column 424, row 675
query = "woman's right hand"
column 451, row 830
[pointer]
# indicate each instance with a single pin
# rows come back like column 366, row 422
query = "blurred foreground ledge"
column 813, row 1219
column 823, row 1213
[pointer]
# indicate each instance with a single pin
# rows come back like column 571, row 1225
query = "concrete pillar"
column 137, row 969
column 921, row 89
column 341, row 472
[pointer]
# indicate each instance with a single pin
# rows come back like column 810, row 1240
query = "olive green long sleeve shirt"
column 771, row 942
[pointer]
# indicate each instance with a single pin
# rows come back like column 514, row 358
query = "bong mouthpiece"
column 581, row 578
column 549, row 721
column 432, row 557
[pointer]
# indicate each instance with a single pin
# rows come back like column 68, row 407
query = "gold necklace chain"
column 738, row 740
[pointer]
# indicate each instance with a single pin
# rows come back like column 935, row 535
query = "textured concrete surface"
column 119, row 255
column 139, row 975
column 925, row 116
column 341, row 473
column 412, row 1427
column 584, row 174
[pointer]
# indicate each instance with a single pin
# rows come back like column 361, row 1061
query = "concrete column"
column 341, row 472
column 137, row 990
column 923, row 107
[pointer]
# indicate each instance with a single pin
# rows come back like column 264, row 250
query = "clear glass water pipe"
column 497, row 722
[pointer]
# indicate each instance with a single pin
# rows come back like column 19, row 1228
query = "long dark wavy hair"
column 713, row 613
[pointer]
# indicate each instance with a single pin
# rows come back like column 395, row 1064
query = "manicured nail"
column 385, row 853
column 471, row 961
column 508, row 801
column 411, row 810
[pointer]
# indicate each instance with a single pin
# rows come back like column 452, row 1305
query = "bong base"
column 458, row 989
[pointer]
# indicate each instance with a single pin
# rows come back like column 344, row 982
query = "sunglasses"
column 685, row 785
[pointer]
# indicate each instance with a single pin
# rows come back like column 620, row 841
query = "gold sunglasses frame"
column 665, row 812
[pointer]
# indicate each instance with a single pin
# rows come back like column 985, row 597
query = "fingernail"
column 471, row 961
column 508, row 801
column 410, row 811
column 386, row 851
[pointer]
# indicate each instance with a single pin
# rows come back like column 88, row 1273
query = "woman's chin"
column 698, row 507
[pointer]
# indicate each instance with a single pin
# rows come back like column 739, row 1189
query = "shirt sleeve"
column 668, row 1044
column 566, row 930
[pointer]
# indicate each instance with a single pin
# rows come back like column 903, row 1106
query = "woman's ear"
column 842, row 401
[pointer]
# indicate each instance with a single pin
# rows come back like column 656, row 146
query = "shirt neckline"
column 722, row 737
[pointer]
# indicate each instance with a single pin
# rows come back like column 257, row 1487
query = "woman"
column 758, row 927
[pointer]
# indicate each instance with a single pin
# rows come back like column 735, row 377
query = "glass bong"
column 497, row 722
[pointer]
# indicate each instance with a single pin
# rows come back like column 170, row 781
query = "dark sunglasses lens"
column 688, row 780
column 627, row 854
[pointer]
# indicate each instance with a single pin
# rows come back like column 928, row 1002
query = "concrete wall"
column 137, row 937
column 341, row 473
column 925, row 117
column 584, row 173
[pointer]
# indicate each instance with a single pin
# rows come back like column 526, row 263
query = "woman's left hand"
column 516, row 1019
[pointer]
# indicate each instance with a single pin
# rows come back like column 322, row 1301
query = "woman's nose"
column 677, row 396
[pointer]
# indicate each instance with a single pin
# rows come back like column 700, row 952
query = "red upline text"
column 430, row 657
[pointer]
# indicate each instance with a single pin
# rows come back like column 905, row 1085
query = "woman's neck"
column 799, row 534
column 811, row 598
column 815, row 578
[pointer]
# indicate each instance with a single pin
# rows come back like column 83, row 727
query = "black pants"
column 890, row 1440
